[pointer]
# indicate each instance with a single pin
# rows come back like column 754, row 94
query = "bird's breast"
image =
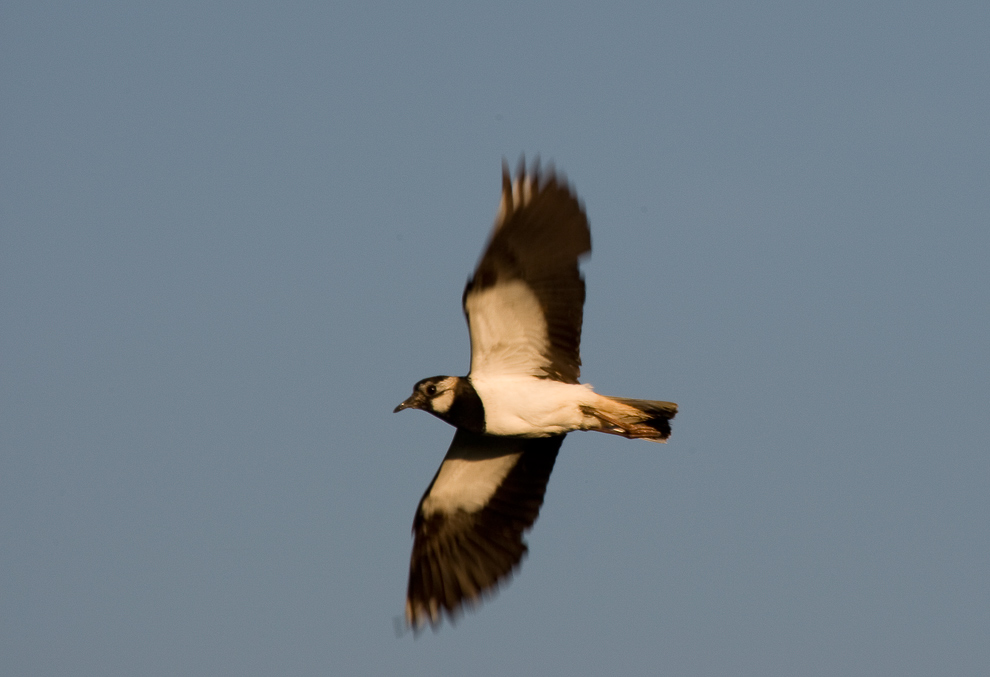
column 531, row 407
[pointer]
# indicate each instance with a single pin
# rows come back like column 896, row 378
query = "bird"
column 524, row 309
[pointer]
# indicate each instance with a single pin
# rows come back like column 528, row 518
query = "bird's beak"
column 414, row 402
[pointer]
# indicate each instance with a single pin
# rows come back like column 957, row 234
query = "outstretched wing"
column 524, row 304
column 470, row 522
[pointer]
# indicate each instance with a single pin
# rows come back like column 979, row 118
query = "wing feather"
column 470, row 523
column 524, row 303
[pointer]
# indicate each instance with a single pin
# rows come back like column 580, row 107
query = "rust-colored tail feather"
column 636, row 419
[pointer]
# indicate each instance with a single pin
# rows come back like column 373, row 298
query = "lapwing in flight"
column 524, row 306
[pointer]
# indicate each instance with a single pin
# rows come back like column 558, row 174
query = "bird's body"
column 524, row 308
column 521, row 405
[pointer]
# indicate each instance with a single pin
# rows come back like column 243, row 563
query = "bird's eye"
column 431, row 390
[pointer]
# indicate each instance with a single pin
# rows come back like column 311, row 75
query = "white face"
column 442, row 402
column 444, row 398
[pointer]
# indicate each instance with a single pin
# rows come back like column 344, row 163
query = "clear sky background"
column 235, row 234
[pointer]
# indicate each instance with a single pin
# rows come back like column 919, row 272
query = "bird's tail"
column 635, row 419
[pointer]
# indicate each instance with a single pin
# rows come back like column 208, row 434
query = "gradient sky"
column 233, row 235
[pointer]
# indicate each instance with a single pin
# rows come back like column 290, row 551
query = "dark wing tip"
column 458, row 561
column 507, row 205
column 512, row 190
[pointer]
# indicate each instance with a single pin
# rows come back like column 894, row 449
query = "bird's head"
column 434, row 394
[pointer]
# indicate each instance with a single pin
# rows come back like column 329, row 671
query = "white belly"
column 532, row 407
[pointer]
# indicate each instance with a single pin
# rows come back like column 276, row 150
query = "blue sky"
column 235, row 234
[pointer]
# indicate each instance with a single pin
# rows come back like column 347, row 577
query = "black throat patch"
column 467, row 411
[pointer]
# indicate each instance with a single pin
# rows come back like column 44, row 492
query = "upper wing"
column 469, row 525
column 524, row 304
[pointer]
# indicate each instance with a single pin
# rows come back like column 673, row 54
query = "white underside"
column 472, row 471
column 508, row 330
column 534, row 407
column 466, row 483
